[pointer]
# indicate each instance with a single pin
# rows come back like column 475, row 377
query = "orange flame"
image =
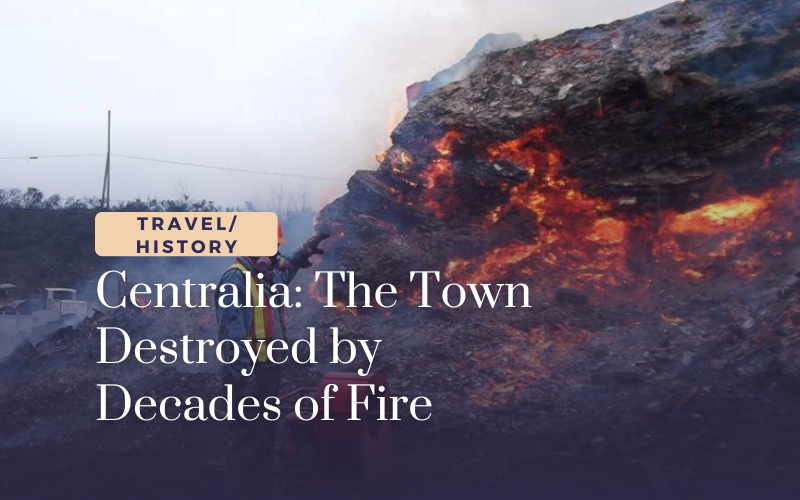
column 580, row 243
column 731, row 215
column 444, row 146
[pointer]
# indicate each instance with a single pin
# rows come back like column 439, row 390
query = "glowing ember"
column 440, row 172
column 496, row 263
column 672, row 320
column 738, row 232
column 771, row 155
column 515, row 150
column 579, row 242
column 494, row 215
column 321, row 297
column 341, row 306
column 438, row 175
column 731, row 215
column 691, row 273
column 405, row 158
column 444, row 146
column 399, row 159
column 608, row 231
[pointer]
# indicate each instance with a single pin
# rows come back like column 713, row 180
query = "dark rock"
column 616, row 378
column 570, row 297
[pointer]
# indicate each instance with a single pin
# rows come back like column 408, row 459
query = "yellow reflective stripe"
column 258, row 313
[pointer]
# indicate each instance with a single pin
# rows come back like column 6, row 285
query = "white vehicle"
column 54, row 308
column 8, row 293
column 64, row 301
column 15, row 314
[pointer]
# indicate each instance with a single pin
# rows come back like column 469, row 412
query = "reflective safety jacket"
column 251, row 323
column 262, row 325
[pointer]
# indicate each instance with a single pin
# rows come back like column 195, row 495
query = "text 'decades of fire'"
column 185, row 234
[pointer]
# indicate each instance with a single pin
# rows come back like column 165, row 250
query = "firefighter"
column 248, row 458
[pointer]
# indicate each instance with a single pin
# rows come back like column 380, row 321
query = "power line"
column 172, row 162
column 229, row 169
column 45, row 157
column 106, row 195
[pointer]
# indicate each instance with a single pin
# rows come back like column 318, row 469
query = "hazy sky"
column 299, row 87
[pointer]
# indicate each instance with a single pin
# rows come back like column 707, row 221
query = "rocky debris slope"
column 671, row 109
column 640, row 176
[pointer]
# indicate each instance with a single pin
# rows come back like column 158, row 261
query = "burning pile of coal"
column 640, row 174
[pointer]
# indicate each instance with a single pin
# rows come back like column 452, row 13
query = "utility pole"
column 105, row 198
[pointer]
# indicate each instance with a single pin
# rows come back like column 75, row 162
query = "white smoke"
column 304, row 87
